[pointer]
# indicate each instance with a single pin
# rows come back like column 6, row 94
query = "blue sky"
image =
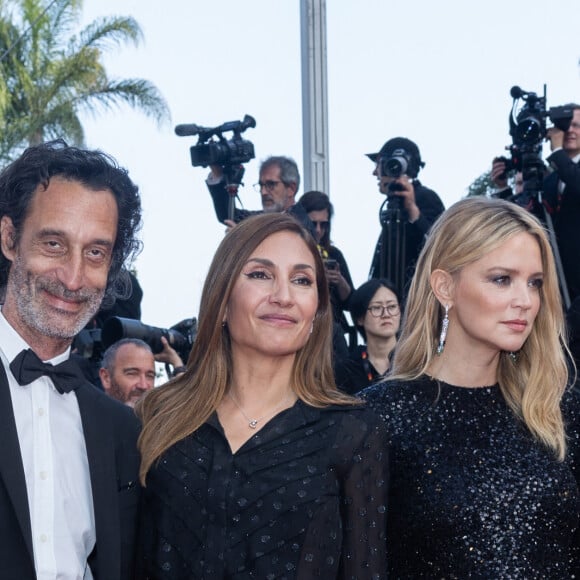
column 436, row 72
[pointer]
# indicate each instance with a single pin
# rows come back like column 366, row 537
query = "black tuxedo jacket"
column 111, row 431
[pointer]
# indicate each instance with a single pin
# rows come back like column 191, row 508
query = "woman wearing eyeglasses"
column 320, row 211
column 375, row 309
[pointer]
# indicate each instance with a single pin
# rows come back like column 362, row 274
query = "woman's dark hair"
column 318, row 201
column 95, row 170
column 361, row 298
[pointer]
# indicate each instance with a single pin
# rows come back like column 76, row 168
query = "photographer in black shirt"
column 397, row 165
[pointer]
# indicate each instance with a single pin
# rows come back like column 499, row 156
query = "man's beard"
column 51, row 322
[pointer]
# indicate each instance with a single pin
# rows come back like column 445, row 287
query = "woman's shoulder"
column 392, row 390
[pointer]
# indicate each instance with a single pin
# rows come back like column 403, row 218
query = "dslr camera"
column 396, row 164
column 212, row 148
column 180, row 336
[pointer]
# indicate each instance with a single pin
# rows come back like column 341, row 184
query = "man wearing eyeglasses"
column 278, row 184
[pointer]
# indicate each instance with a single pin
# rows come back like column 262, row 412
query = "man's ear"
column 443, row 286
column 8, row 238
column 105, row 379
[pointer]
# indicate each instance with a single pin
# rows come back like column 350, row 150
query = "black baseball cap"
column 399, row 143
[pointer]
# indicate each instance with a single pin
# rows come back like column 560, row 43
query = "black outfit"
column 304, row 498
column 111, row 430
column 221, row 200
column 565, row 211
column 473, row 494
column 431, row 207
column 356, row 372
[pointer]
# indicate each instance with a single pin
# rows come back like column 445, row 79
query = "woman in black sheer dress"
column 482, row 423
column 255, row 465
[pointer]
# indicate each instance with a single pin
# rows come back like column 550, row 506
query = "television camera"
column 528, row 129
column 212, row 148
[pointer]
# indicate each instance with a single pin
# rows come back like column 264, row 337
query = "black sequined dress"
column 304, row 498
column 472, row 494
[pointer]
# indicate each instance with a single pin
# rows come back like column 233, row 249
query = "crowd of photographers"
column 550, row 190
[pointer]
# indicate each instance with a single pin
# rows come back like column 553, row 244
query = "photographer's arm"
column 337, row 280
column 430, row 208
column 169, row 356
column 407, row 192
column 345, row 290
column 217, row 188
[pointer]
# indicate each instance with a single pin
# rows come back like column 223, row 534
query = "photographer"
column 560, row 195
column 320, row 211
column 418, row 205
column 278, row 184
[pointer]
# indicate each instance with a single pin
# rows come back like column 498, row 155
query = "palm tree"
column 49, row 76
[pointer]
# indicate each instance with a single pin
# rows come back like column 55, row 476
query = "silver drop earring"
column 444, row 327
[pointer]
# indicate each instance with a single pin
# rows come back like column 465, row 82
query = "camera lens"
column 529, row 130
column 396, row 164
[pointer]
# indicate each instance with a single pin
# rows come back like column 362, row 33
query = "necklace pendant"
column 253, row 423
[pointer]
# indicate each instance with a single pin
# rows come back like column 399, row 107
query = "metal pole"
column 314, row 95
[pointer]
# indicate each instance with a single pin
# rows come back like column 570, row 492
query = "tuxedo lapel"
column 101, row 456
column 11, row 468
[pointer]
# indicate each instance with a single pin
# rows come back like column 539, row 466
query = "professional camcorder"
column 212, row 148
column 528, row 129
column 180, row 336
column 528, row 125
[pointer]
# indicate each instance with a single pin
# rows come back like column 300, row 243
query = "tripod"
column 392, row 262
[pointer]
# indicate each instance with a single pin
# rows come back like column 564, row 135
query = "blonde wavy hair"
column 178, row 408
column 532, row 385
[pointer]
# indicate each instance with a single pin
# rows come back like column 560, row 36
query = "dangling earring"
column 513, row 357
column 444, row 327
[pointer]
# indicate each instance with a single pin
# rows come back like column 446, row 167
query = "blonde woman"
column 255, row 465
column 483, row 429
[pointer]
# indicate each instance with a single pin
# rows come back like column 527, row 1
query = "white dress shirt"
column 56, row 468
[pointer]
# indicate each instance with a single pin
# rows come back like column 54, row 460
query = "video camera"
column 180, row 336
column 528, row 129
column 221, row 151
column 528, row 126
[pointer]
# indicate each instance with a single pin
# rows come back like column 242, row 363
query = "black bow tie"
column 27, row 367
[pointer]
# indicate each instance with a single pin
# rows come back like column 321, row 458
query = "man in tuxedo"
column 68, row 457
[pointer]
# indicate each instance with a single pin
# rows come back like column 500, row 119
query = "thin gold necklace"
column 253, row 423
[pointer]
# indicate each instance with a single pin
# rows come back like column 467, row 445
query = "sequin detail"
column 472, row 493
